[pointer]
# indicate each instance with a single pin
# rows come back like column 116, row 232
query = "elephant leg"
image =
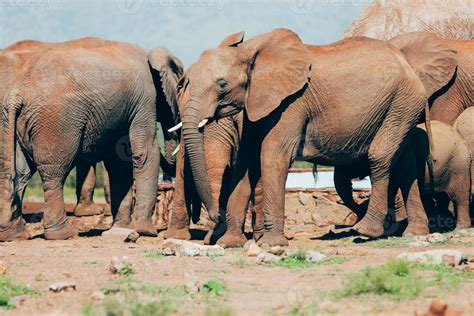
column 459, row 193
column 12, row 225
column 105, row 174
column 55, row 222
column 406, row 178
column 235, row 216
column 343, row 185
column 85, row 185
column 179, row 219
column 120, row 176
column 259, row 220
column 146, row 163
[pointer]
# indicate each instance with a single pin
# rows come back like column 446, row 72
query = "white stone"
column 432, row 256
column 121, row 234
column 265, row 257
column 314, row 256
column 184, row 248
column 254, row 250
column 62, row 286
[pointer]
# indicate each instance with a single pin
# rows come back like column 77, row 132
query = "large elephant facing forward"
column 75, row 104
column 302, row 100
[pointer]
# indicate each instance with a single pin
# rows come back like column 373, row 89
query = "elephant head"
column 166, row 70
column 256, row 75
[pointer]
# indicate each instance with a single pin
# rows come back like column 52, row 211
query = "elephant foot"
column 124, row 223
column 232, row 240
column 65, row 231
column 273, row 238
column 177, row 233
column 207, row 238
column 369, row 228
column 88, row 209
column 145, row 228
column 461, row 224
column 416, row 230
column 16, row 231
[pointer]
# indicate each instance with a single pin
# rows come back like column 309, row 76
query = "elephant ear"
column 279, row 66
column 169, row 70
column 433, row 60
column 233, row 40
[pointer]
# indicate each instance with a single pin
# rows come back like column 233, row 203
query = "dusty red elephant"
column 298, row 100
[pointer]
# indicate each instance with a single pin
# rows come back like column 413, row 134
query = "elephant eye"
column 222, row 84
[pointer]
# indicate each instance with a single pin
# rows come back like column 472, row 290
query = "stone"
column 62, row 286
column 180, row 248
column 265, row 257
column 304, row 198
column 3, row 267
column 435, row 238
column 277, row 251
column 314, row 256
column 439, row 308
column 184, row 248
column 248, row 243
column 432, row 256
column 114, row 265
column 419, row 244
column 254, row 250
column 97, row 296
column 191, row 282
column 121, row 234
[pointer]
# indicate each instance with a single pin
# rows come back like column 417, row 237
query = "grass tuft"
column 214, row 287
column 9, row 290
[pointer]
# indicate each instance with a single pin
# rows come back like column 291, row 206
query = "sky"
column 186, row 27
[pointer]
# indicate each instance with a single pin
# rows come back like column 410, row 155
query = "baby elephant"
column 463, row 125
column 451, row 177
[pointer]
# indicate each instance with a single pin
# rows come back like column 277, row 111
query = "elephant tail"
column 430, row 157
column 11, row 108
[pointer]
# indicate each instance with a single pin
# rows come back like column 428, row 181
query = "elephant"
column 384, row 19
column 12, row 59
column 302, row 100
column 86, row 104
column 221, row 143
column 464, row 127
column 450, row 178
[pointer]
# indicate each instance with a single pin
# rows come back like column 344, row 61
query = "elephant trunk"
column 194, row 146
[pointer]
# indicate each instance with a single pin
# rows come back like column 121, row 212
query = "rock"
column 191, row 282
column 248, row 243
column 254, row 250
column 439, row 308
column 435, row 238
column 62, row 286
column 97, row 296
column 3, row 267
column 180, row 248
column 114, row 265
column 314, row 256
column 184, row 248
column 304, row 198
column 265, row 257
column 277, row 251
column 419, row 244
column 432, row 256
column 121, row 234
column 214, row 250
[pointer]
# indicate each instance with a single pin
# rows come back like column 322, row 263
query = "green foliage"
column 154, row 254
column 218, row 311
column 394, row 279
column 400, row 280
column 9, row 290
column 126, row 269
column 131, row 305
column 214, row 287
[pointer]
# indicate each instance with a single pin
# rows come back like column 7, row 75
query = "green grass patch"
column 400, row 280
column 131, row 305
column 126, row 269
column 214, row 287
column 154, row 254
column 9, row 290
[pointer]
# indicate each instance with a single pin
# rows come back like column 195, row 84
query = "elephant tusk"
column 176, row 150
column 202, row 123
column 175, row 128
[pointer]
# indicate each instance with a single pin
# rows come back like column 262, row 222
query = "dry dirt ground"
column 243, row 287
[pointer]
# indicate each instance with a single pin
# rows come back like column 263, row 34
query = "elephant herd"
column 397, row 111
